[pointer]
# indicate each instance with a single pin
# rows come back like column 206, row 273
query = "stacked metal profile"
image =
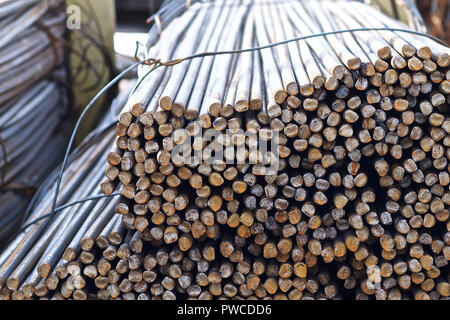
column 42, row 256
column 32, row 102
column 358, row 207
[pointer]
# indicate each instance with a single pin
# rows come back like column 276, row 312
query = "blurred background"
column 436, row 14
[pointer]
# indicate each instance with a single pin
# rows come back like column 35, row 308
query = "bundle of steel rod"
column 32, row 102
column 358, row 183
column 47, row 249
column 436, row 16
column 352, row 203
column 136, row 270
column 40, row 259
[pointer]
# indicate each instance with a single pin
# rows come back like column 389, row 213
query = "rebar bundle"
column 32, row 102
column 350, row 201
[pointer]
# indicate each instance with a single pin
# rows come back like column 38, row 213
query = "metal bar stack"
column 362, row 190
column 32, row 102
column 352, row 203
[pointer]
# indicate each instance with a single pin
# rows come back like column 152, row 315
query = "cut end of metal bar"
column 354, row 63
column 256, row 104
column 160, row 117
column 367, row 69
column 415, row 64
column 443, row 60
column 125, row 118
column 28, row 290
column 273, row 111
column 69, row 254
column 339, row 71
column 205, row 121
column 44, row 270
column 424, row 53
column 190, row 114
column 384, row 53
column 115, row 238
column 241, row 106
column 214, row 108
column 114, row 159
column 310, row 104
column 102, row 242
column 398, row 62
column 331, row 84
column 381, row 66
column 74, row 268
column 87, row 244
column 17, row 295
column 107, row 187
column 293, row 102
column 146, row 119
column 137, row 109
column 12, row 284
column 408, row 51
column 263, row 118
column 177, row 110
column 280, row 96
column 5, row 294
column 41, row 290
column 307, row 90
column 227, row 111
column 318, row 82
column 52, row 282
column 165, row 103
column 292, row 88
